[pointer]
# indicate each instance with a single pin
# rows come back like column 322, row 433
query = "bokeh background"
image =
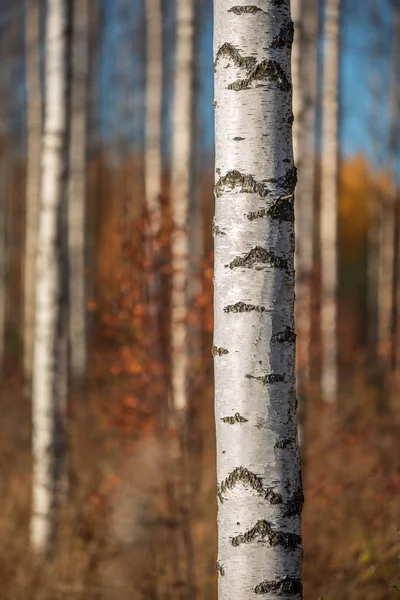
column 138, row 523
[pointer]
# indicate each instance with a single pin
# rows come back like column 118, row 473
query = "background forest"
column 141, row 511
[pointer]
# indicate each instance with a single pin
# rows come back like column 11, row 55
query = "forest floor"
column 136, row 529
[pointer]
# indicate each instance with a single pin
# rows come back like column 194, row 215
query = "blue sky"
column 360, row 115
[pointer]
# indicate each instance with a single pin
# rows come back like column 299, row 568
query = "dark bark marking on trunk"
column 284, row 187
column 287, row 335
column 229, row 51
column 282, row 210
column 216, row 230
column 284, row 37
column 262, row 530
column 258, row 258
column 295, row 503
column 241, row 307
column 237, row 418
column 283, row 443
column 287, row 586
column 217, row 351
column 266, row 379
column 220, row 569
column 245, row 10
column 269, row 71
column 253, row 481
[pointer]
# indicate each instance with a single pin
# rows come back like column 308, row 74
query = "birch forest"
column 199, row 299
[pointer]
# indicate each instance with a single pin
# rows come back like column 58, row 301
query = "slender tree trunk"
column 180, row 192
column 304, row 61
column 153, row 137
column 329, row 183
column 50, row 344
column 259, row 480
column 34, row 136
column 77, row 191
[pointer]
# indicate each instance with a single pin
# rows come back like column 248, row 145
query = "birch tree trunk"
column 329, row 192
column 259, row 480
column 304, row 61
column 51, row 326
column 77, row 190
column 180, row 192
column 34, row 135
column 153, row 119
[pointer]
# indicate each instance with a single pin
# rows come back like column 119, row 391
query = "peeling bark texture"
column 77, row 190
column 258, row 462
column 329, row 193
column 152, row 158
column 34, row 139
column 180, row 192
column 304, row 76
column 50, row 366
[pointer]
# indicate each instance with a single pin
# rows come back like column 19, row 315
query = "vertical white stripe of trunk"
column 34, row 139
column 49, row 346
column 304, row 61
column 329, row 184
column 77, row 191
column 153, row 141
column 153, row 114
column 180, row 191
column 258, row 465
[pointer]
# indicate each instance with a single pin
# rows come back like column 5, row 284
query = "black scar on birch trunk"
column 218, row 351
column 241, row 307
column 249, row 185
column 282, row 209
column 269, row 378
column 237, row 418
column 231, row 52
column 269, row 71
column 250, row 479
column 284, row 37
column 286, row 586
column 262, row 531
column 258, row 258
column 287, row 335
column 248, row 10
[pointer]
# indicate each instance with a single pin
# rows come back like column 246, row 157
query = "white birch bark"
column 50, row 350
column 180, row 191
column 329, row 193
column 77, row 191
column 152, row 157
column 258, row 465
column 153, row 114
column 304, row 62
column 34, row 136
